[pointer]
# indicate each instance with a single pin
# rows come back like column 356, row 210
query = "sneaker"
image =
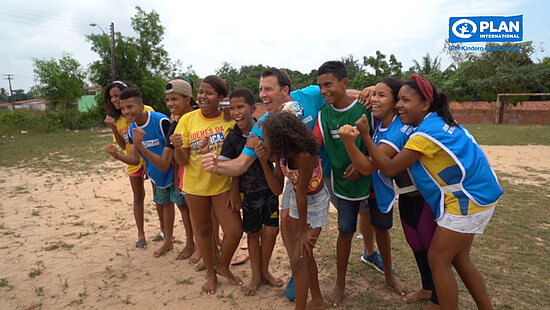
column 290, row 293
column 374, row 260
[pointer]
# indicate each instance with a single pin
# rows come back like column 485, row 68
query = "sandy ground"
column 67, row 240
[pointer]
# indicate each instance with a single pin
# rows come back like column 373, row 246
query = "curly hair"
column 287, row 133
column 107, row 105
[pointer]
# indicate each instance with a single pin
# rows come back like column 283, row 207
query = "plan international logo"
column 486, row 29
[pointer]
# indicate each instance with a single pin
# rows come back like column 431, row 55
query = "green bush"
column 46, row 121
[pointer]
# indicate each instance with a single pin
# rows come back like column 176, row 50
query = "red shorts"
column 139, row 173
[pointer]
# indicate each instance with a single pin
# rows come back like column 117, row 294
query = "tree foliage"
column 140, row 60
column 61, row 82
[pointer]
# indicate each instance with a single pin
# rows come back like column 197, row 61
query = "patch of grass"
column 38, row 270
column 5, row 283
column 35, row 212
column 187, row 281
column 84, row 151
column 39, row 291
column 492, row 134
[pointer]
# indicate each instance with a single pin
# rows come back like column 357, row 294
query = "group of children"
column 329, row 147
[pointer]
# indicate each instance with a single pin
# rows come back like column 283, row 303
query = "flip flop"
column 239, row 259
column 141, row 244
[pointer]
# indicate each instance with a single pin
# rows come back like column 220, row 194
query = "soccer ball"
column 293, row 107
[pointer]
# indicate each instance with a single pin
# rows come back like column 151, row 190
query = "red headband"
column 425, row 87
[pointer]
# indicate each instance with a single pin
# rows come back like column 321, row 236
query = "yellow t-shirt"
column 192, row 127
column 122, row 127
column 443, row 169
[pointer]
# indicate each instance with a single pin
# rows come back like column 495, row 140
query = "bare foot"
column 315, row 305
column 225, row 272
column 418, row 295
column 196, row 256
column 336, row 296
column 166, row 246
column 399, row 287
column 431, row 306
column 269, row 278
column 200, row 266
column 210, row 286
column 186, row 252
column 251, row 288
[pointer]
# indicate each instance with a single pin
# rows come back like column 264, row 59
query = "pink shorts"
column 139, row 173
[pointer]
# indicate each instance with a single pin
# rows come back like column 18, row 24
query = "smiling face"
column 132, row 109
column 208, row 100
column 114, row 95
column 241, row 112
column 272, row 94
column 410, row 107
column 383, row 102
column 332, row 90
column 178, row 104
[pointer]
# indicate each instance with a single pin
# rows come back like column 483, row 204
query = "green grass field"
column 513, row 253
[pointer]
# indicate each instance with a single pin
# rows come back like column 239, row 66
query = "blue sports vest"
column 396, row 135
column 155, row 142
column 474, row 177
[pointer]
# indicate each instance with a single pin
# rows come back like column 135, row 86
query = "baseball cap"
column 178, row 86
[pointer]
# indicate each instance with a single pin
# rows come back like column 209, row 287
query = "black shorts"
column 379, row 219
column 260, row 208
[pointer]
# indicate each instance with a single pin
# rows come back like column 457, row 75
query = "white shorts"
column 467, row 224
column 317, row 208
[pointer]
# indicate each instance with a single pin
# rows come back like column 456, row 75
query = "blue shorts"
column 317, row 207
column 347, row 215
column 164, row 196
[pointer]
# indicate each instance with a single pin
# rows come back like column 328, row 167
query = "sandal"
column 141, row 244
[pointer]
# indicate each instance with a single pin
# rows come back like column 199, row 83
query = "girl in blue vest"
column 417, row 219
column 453, row 175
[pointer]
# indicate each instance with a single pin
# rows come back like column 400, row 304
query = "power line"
column 26, row 11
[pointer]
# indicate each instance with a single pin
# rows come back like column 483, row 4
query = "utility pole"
column 112, row 45
column 113, row 65
column 9, row 78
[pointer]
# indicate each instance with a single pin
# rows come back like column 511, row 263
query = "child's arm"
column 111, row 123
column 389, row 166
column 181, row 155
column 364, row 164
column 306, row 163
column 274, row 178
column 131, row 159
column 162, row 162
column 234, row 200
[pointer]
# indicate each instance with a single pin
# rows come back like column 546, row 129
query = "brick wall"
column 482, row 112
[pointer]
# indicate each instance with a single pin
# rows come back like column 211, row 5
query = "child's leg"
column 471, row 276
column 367, row 230
column 445, row 246
column 138, row 191
column 382, row 223
column 216, row 232
column 168, row 221
column 270, row 229
column 201, row 214
column 233, row 230
column 317, row 301
column 189, row 242
column 268, row 238
column 418, row 224
column 347, row 222
column 254, row 253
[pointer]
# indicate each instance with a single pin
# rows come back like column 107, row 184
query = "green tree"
column 140, row 60
column 356, row 73
column 60, row 81
column 381, row 67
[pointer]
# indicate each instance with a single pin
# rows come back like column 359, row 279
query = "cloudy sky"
column 299, row 35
